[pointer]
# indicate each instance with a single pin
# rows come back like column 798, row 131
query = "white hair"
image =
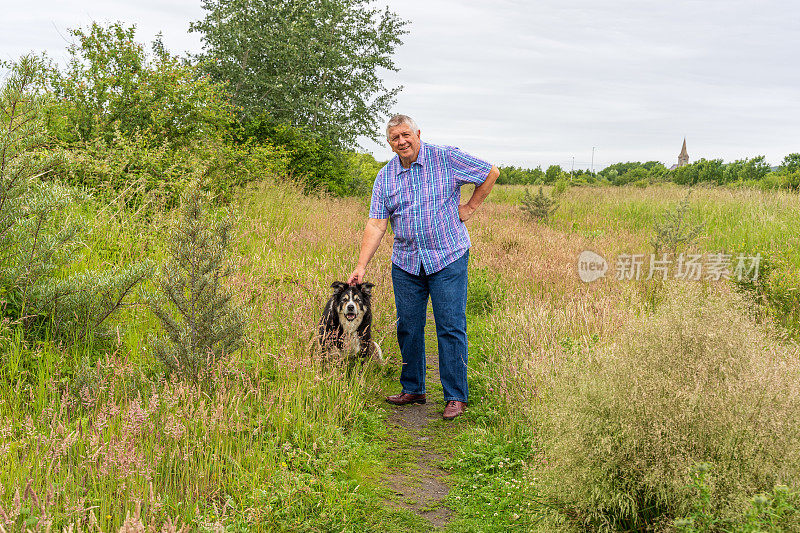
column 401, row 119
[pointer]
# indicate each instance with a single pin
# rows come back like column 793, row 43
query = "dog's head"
column 351, row 302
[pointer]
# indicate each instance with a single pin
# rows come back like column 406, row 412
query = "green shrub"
column 314, row 161
column 793, row 180
column 139, row 128
column 39, row 229
column 363, row 168
column 553, row 174
column 695, row 382
column 777, row 510
column 539, row 207
column 775, row 292
column 484, row 293
column 111, row 85
column 138, row 174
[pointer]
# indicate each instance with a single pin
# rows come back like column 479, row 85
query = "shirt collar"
column 398, row 166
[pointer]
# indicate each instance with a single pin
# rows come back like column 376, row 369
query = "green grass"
column 737, row 220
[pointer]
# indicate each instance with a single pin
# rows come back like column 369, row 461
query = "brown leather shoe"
column 453, row 409
column 403, row 399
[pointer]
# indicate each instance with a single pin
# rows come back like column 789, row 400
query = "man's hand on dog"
column 357, row 276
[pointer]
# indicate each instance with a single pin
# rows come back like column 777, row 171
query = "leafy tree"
column 583, row 176
column 520, row 176
column 363, row 169
column 311, row 63
column 620, row 169
column 141, row 126
column 631, row 176
column 508, row 176
column 789, row 170
column 655, row 169
column 312, row 160
column 686, row 175
column 112, row 85
column 754, row 169
column 791, row 163
column 709, row 170
column 553, row 174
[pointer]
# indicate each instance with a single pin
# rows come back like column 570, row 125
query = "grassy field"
column 592, row 405
column 737, row 220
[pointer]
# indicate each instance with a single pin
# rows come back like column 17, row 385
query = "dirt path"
column 420, row 441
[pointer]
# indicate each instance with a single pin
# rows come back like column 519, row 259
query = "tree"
column 709, row 170
column 655, row 169
column 553, row 174
column 754, row 169
column 194, row 308
column 632, row 176
column 791, row 163
column 686, row 175
column 111, row 84
column 311, row 63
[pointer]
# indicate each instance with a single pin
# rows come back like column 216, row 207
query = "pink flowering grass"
column 130, row 449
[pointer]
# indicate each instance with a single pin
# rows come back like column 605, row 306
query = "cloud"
column 530, row 83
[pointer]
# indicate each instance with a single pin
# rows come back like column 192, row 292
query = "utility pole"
column 572, row 172
column 592, row 159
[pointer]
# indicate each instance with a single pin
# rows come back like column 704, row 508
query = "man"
column 420, row 190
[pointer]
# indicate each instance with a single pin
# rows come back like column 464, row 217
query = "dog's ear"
column 338, row 286
column 366, row 288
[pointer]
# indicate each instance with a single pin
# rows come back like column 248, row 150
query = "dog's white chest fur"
column 350, row 339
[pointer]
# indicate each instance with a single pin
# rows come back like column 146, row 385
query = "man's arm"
column 478, row 195
column 373, row 234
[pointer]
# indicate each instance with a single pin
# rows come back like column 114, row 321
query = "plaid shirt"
column 422, row 202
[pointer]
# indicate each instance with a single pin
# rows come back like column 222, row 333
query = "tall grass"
column 96, row 432
column 613, row 403
column 739, row 220
column 624, row 395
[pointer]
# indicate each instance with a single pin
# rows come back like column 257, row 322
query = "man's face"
column 405, row 142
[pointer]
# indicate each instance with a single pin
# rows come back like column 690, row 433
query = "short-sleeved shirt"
column 422, row 203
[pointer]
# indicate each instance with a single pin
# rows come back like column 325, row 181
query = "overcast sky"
column 540, row 82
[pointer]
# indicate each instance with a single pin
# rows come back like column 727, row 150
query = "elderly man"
column 420, row 191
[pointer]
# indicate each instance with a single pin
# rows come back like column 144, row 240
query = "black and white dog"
column 346, row 323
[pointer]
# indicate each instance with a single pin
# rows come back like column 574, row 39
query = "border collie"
column 346, row 323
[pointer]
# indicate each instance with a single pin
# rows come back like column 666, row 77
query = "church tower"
column 683, row 158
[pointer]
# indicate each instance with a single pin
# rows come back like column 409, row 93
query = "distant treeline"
column 755, row 172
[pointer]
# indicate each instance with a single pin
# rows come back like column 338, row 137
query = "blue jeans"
column 448, row 292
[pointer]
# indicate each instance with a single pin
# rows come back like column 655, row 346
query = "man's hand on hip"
column 465, row 212
column 478, row 195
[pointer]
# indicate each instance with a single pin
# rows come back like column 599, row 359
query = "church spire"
column 683, row 158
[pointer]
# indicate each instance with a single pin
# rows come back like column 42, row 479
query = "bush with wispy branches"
column 539, row 207
column 697, row 382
